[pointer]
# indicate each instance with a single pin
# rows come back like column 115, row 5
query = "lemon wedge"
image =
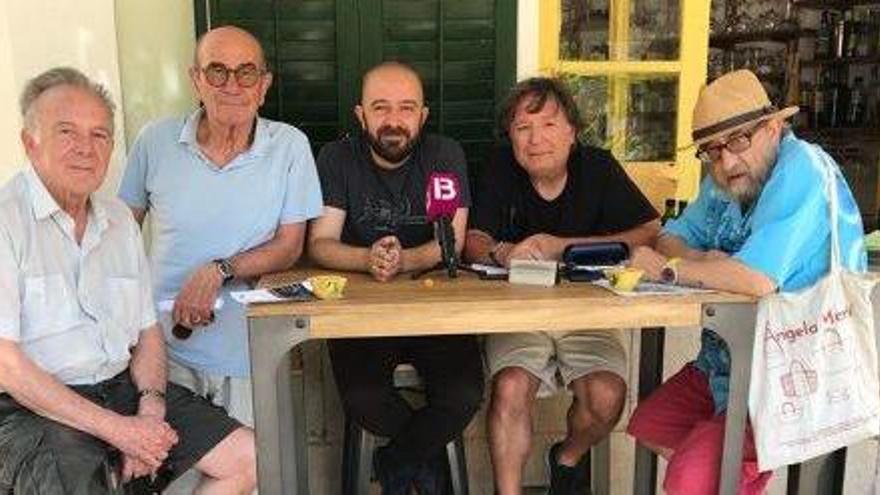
column 624, row 279
column 327, row 286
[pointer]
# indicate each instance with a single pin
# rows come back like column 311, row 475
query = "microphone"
column 441, row 202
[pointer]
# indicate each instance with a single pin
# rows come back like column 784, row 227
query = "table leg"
column 735, row 323
column 820, row 476
column 650, row 377
column 282, row 463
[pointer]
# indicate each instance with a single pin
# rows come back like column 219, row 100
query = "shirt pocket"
column 47, row 308
column 123, row 304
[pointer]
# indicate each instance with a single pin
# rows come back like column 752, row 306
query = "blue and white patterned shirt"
column 785, row 235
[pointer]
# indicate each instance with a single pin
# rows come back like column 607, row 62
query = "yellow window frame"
column 684, row 171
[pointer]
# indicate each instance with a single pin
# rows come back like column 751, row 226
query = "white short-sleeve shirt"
column 75, row 309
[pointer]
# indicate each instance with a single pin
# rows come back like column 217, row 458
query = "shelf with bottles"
column 848, row 36
column 785, row 35
column 835, row 4
column 869, row 60
column 839, row 87
column 835, row 103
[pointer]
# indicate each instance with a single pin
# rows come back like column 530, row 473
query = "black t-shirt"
column 598, row 199
column 380, row 202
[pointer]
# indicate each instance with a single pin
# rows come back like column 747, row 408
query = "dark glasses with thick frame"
column 736, row 143
column 246, row 75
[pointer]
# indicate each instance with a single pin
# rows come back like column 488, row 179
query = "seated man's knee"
column 233, row 460
column 603, row 393
column 694, row 466
column 512, row 391
column 248, row 460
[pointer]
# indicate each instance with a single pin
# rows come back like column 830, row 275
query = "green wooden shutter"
column 299, row 38
column 465, row 50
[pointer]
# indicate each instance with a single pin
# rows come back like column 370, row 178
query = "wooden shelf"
column 834, row 4
column 856, row 132
column 729, row 40
column 841, row 61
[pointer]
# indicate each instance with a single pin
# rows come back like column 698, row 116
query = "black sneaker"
column 566, row 480
column 394, row 479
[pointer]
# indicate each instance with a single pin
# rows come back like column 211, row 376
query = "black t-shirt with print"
column 598, row 199
column 380, row 202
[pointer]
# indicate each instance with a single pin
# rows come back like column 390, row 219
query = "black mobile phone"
column 491, row 276
column 595, row 254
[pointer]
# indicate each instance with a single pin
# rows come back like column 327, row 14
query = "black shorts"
column 38, row 455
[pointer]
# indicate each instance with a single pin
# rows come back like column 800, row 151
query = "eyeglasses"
column 736, row 143
column 246, row 75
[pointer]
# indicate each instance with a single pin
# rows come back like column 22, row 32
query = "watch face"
column 225, row 269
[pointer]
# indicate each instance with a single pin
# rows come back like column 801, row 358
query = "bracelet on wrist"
column 151, row 392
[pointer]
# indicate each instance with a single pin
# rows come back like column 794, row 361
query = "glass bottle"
column 668, row 212
column 823, row 36
column 856, row 114
column 682, row 204
column 817, row 119
column 805, row 102
column 838, row 42
column 850, row 34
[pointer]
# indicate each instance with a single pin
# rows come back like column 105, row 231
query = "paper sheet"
column 651, row 289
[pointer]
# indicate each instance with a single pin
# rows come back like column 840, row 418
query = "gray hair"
column 60, row 76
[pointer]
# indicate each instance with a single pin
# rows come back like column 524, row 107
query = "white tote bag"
column 815, row 385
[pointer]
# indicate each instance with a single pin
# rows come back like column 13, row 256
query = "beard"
column 747, row 193
column 393, row 144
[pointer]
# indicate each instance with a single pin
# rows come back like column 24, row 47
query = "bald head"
column 228, row 37
column 392, row 112
column 386, row 72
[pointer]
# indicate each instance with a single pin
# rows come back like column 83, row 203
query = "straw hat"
column 730, row 102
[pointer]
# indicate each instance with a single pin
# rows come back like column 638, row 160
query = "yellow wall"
column 156, row 40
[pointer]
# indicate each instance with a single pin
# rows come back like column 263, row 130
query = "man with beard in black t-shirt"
column 374, row 222
column 540, row 194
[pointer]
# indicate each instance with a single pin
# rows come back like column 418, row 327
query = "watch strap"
column 224, row 266
column 669, row 272
column 151, row 392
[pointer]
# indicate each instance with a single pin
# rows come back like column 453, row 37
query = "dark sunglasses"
column 246, row 75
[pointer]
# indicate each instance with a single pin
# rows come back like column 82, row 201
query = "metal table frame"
column 280, row 420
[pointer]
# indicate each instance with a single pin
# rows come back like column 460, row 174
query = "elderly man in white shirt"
column 84, row 402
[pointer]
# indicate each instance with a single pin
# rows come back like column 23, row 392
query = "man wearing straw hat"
column 759, row 225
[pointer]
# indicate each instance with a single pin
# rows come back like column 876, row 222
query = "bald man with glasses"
column 229, row 194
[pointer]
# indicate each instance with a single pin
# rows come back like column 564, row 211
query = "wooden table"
column 465, row 305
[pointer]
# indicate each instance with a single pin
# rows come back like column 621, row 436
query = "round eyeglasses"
column 736, row 143
column 246, row 75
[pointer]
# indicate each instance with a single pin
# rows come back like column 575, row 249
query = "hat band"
column 733, row 122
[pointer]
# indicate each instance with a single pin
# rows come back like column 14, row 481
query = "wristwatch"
column 669, row 273
column 151, row 392
column 224, row 266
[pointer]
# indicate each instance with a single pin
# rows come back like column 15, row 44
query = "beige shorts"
column 557, row 358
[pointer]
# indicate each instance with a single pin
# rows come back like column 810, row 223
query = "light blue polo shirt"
column 201, row 212
column 785, row 236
